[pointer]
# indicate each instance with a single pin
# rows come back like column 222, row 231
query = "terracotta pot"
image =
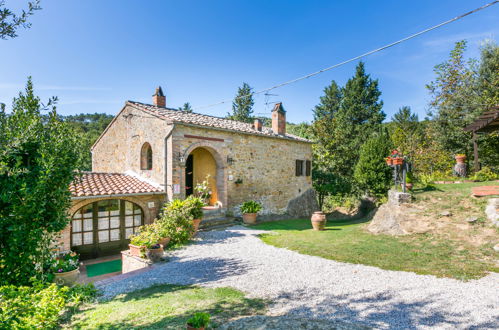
column 389, row 161
column 398, row 161
column 460, row 159
column 318, row 220
column 67, row 278
column 192, row 328
column 164, row 241
column 407, row 185
column 136, row 250
column 195, row 223
column 155, row 255
column 249, row 218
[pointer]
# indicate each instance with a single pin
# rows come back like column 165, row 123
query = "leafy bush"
column 485, row 174
column 199, row 320
column 372, row 175
column 65, row 262
column 39, row 307
column 176, row 221
column 148, row 236
column 194, row 206
column 250, row 207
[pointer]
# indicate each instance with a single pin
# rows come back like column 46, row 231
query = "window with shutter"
column 299, row 167
column 308, row 167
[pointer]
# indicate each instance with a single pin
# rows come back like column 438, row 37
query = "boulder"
column 303, row 205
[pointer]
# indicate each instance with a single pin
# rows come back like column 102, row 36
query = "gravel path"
column 308, row 286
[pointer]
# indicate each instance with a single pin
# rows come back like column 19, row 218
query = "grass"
column 166, row 307
column 430, row 253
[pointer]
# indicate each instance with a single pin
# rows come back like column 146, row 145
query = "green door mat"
column 104, row 268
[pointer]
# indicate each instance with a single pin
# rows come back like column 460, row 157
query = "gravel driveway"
column 315, row 287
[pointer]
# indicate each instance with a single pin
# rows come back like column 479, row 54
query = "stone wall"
column 151, row 211
column 265, row 165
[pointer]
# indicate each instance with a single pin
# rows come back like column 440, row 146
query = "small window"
column 146, row 157
column 299, row 167
column 308, row 167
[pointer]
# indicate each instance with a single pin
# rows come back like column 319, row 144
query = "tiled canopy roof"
column 192, row 118
column 99, row 184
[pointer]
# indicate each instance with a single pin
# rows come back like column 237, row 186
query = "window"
column 146, row 157
column 299, row 167
column 308, row 167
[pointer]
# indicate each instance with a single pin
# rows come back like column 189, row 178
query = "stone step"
column 213, row 213
column 215, row 222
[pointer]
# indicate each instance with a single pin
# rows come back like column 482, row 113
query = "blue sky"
column 94, row 55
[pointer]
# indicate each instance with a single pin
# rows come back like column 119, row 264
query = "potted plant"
column 146, row 244
column 194, row 206
column 163, row 233
column 318, row 220
column 396, row 158
column 389, row 161
column 66, row 268
column 198, row 321
column 460, row 158
column 202, row 190
column 249, row 210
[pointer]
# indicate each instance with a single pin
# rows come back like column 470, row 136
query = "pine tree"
column 186, row 107
column 372, row 176
column 242, row 106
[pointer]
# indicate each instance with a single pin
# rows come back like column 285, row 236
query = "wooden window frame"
column 146, row 157
column 299, row 168
column 308, row 168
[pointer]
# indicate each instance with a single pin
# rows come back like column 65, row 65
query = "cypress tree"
column 242, row 106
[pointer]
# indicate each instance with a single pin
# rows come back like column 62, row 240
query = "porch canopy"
column 487, row 122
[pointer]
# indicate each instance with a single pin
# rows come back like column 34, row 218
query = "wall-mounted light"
column 230, row 160
column 181, row 157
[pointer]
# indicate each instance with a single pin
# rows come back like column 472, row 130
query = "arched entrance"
column 203, row 163
column 103, row 228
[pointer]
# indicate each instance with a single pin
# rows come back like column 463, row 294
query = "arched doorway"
column 104, row 227
column 200, row 166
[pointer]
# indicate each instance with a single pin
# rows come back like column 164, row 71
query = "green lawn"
column 165, row 307
column 349, row 242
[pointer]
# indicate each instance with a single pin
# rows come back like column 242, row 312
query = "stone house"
column 150, row 154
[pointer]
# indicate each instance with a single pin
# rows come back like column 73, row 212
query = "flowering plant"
column 66, row 262
column 202, row 190
column 395, row 154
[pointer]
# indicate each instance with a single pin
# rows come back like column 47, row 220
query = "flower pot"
column 249, row 218
column 195, row 223
column 407, row 185
column 67, row 278
column 389, row 161
column 136, row 250
column 156, row 254
column 192, row 328
column 164, row 241
column 398, row 161
column 460, row 159
column 318, row 220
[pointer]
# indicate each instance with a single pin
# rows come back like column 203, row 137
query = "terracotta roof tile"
column 98, row 184
column 209, row 121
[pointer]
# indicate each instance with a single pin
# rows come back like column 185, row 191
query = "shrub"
column 194, row 206
column 199, row 320
column 148, row 236
column 372, row 175
column 250, row 207
column 176, row 221
column 39, row 307
column 485, row 174
column 65, row 262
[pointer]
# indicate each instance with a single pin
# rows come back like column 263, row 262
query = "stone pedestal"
column 398, row 198
column 131, row 263
column 492, row 211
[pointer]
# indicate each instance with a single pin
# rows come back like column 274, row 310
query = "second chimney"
column 279, row 119
column 159, row 99
column 258, row 125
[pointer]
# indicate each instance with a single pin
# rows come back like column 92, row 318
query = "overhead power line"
column 353, row 58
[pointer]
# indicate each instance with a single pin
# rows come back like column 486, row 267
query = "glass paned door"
column 104, row 227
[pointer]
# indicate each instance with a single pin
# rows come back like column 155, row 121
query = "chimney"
column 279, row 119
column 258, row 125
column 159, row 99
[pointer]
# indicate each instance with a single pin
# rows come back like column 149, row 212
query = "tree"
column 344, row 120
column 242, row 106
column 371, row 174
column 407, row 133
column 454, row 98
column 186, row 107
column 303, row 130
column 39, row 156
column 10, row 22
column 405, row 118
